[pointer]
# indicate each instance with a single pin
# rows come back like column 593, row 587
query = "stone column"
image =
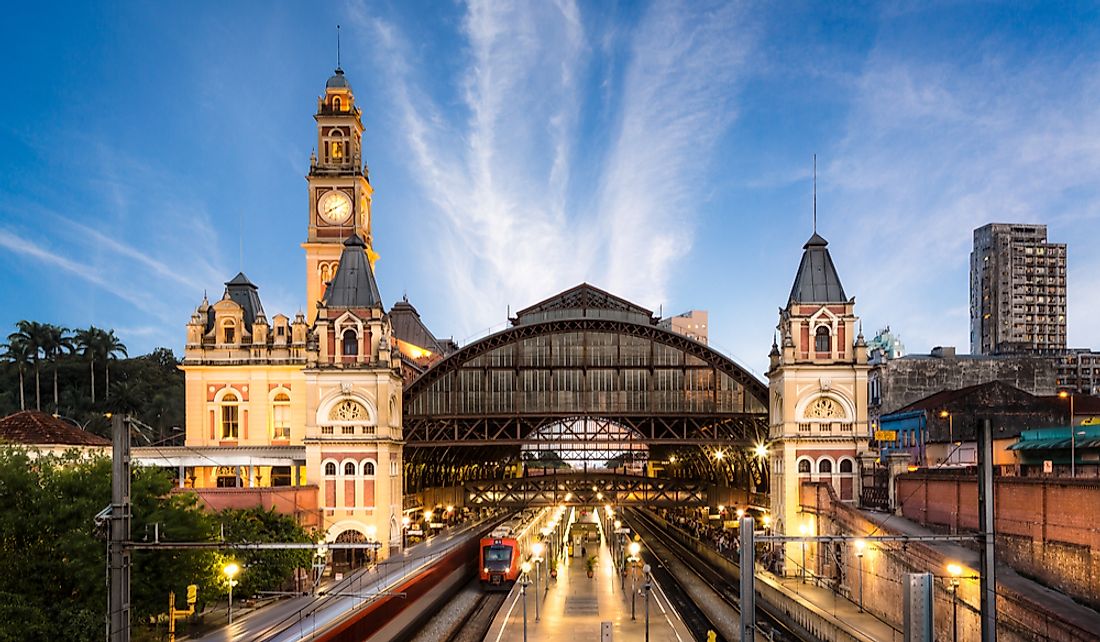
column 896, row 463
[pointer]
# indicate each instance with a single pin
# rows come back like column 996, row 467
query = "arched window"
column 336, row 103
column 349, row 469
column 230, row 416
column 337, row 147
column 330, row 469
column 825, row 466
column 804, row 466
column 229, row 332
column 821, row 339
column 350, row 343
column 368, row 468
column 280, row 416
column 846, row 466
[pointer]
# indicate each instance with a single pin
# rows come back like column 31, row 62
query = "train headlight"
column 486, row 569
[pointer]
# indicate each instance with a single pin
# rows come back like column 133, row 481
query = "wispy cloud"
column 502, row 170
column 933, row 151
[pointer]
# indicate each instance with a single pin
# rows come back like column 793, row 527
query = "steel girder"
column 590, row 489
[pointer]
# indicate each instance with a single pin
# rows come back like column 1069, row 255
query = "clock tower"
column 339, row 188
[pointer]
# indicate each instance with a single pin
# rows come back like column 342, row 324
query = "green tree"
column 18, row 353
column 55, row 342
column 110, row 348
column 87, row 343
column 269, row 569
column 32, row 335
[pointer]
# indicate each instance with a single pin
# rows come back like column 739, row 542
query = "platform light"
column 372, row 532
column 450, row 508
column 599, row 496
column 860, row 546
column 721, row 508
column 761, row 450
column 672, row 459
column 954, row 570
column 740, row 513
column 405, row 521
column 537, row 549
column 427, row 516
column 804, row 529
column 767, row 519
column 719, row 455
column 618, row 524
column 634, row 548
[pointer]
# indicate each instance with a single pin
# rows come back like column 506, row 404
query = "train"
column 508, row 546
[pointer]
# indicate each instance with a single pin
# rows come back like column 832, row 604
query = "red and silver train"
column 499, row 559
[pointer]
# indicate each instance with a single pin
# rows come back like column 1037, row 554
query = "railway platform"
column 574, row 607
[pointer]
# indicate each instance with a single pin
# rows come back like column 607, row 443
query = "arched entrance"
column 583, row 371
column 346, row 559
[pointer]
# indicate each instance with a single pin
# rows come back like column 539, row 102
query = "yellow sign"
column 192, row 593
column 886, row 435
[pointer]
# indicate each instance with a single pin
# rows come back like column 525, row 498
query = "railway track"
column 665, row 546
column 475, row 625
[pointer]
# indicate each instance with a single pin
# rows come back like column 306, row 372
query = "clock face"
column 334, row 207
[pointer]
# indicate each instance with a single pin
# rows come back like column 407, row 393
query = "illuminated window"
column 230, row 416
column 330, row 469
column 350, row 343
column 821, row 339
column 349, row 469
column 337, row 148
column 280, row 416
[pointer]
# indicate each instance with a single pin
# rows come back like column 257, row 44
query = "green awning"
column 1058, row 443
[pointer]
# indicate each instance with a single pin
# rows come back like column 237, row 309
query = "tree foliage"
column 54, row 561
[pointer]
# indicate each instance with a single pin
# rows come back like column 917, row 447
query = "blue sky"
column 661, row 151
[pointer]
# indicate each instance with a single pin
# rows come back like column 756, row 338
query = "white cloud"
column 933, row 151
column 502, row 170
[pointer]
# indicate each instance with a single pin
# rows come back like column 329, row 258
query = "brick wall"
column 884, row 565
column 299, row 501
column 1046, row 528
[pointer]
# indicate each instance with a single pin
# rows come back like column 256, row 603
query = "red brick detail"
column 330, row 492
column 805, row 334
column 244, row 423
column 213, row 424
column 368, row 492
column 349, row 493
column 841, row 344
column 847, row 488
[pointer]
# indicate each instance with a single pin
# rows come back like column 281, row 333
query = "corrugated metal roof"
column 817, row 280
column 353, row 286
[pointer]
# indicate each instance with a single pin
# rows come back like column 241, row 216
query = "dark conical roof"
column 353, row 286
column 817, row 280
column 245, row 294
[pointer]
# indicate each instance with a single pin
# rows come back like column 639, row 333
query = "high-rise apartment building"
column 692, row 324
column 1017, row 291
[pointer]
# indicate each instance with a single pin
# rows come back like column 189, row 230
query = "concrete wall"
column 1046, row 528
column 914, row 377
column 1019, row 618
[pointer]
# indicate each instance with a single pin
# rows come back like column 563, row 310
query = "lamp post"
column 860, row 545
column 955, row 570
column 1072, row 436
column 950, row 432
column 524, row 582
column 537, row 549
column 405, row 521
column 760, row 451
column 319, row 566
column 634, row 548
column 805, row 530
column 231, row 569
column 372, row 533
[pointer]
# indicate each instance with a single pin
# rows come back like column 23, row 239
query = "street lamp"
column 524, row 582
column 1072, row 435
column 955, row 571
column 231, row 569
column 860, row 545
column 950, row 431
column 536, row 550
column 372, row 533
column 805, row 530
column 405, row 521
column 634, row 549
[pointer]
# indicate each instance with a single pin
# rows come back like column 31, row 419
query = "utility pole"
column 986, row 500
column 118, row 603
column 748, row 573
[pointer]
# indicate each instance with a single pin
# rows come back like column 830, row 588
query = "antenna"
column 337, row 46
column 815, row 193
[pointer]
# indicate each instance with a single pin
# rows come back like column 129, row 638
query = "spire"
column 353, row 285
column 817, row 280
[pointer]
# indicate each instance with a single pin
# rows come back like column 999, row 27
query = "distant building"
column 941, row 429
column 1017, row 291
column 1079, row 371
column 692, row 324
column 896, row 383
column 885, row 345
column 49, row 435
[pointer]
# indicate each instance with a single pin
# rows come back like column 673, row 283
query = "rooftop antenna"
column 337, row 46
column 815, row 193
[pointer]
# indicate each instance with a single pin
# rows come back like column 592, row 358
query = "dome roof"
column 338, row 80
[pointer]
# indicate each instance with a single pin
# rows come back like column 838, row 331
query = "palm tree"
column 88, row 342
column 32, row 334
column 110, row 348
column 18, row 352
column 57, row 342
